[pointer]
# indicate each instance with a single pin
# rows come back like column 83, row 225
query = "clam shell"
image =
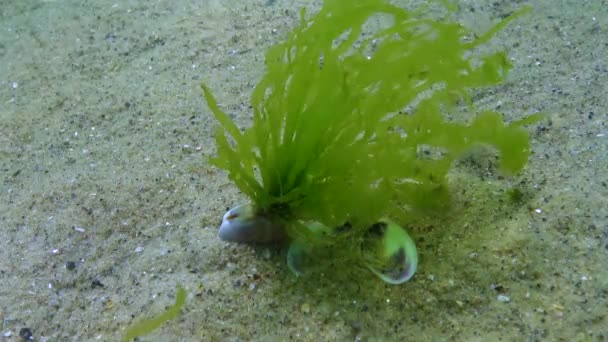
column 389, row 252
column 243, row 224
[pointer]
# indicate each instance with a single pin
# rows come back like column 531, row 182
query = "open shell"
column 389, row 252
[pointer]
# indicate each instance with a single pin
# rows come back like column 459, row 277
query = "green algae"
column 148, row 325
column 349, row 126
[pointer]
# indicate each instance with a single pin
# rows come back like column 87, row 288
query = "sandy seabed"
column 107, row 199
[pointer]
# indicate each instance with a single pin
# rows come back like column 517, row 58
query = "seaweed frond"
column 345, row 115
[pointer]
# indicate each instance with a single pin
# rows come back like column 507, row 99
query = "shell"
column 243, row 224
column 389, row 252
column 299, row 252
column 296, row 255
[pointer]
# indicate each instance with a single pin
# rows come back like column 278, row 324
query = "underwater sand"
column 107, row 200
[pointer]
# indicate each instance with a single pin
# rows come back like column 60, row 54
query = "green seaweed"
column 148, row 325
column 349, row 125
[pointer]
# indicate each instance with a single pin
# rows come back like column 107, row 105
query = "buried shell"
column 296, row 257
column 298, row 254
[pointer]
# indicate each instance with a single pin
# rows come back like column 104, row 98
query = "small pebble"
column 497, row 287
column 26, row 334
column 252, row 286
column 96, row 283
column 356, row 326
column 503, row 298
